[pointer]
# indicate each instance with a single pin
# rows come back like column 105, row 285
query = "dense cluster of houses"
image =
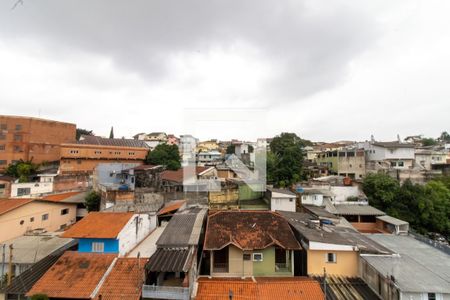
column 156, row 238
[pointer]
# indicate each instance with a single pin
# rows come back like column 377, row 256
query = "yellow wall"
column 10, row 221
column 346, row 263
column 237, row 267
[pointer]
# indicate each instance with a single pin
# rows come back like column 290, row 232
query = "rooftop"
column 183, row 229
column 74, row 275
column 105, row 225
column 319, row 211
column 430, row 266
column 298, row 288
column 178, row 175
column 124, row 281
column 248, row 230
column 7, row 205
column 393, row 145
column 29, row 249
column 392, row 220
column 147, row 247
column 170, row 260
column 96, row 140
column 172, row 207
column 282, row 191
column 357, row 209
column 74, row 197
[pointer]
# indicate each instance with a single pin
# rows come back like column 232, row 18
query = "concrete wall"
column 135, row 231
column 285, row 204
column 314, row 199
column 36, row 189
column 31, row 215
column 343, row 192
column 346, row 263
column 64, row 183
column 266, row 267
column 5, row 190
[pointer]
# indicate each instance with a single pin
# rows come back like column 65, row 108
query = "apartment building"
column 27, row 138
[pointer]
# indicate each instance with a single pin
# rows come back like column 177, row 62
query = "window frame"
column 327, row 258
column 45, row 217
column 257, row 254
column 98, row 247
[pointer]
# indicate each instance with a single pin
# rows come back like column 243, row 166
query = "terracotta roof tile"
column 125, row 280
column 60, row 197
column 248, row 230
column 173, row 206
column 99, row 225
column 74, row 275
column 11, row 204
column 292, row 288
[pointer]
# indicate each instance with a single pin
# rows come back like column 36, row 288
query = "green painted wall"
column 333, row 160
column 246, row 193
column 267, row 266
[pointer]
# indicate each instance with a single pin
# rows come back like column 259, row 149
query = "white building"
column 281, row 199
column 425, row 158
column 209, row 158
column 398, row 155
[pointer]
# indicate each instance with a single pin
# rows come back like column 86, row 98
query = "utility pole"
column 10, row 269
column 325, row 282
column 3, row 265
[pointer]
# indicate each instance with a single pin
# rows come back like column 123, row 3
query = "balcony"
column 282, row 267
column 165, row 292
column 220, row 268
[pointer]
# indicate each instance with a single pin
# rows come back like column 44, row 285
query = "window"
column 44, row 217
column 291, row 199
column 351, row 154
column 2, row 136
column 17, row 138
column 98, row 247
column 31, row 219
column 98, row 152
column 220, row 263
column 64, row 211
column 17, row 149
column 368, row 219
column 247, row 256
column 73, row 151
column 393, row 164
column 2, row 162
column 22, row 222
column 2, row 147
column 331, row 257
column 23, row 191
column 401, row 164
column 432, row 296
column 280, row 259
column 257, row 257
column 3, row 126
column 18, row 127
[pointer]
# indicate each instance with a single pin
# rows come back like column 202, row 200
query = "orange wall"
column 39, row 140
column 85, row 158
column 11, row 220
column 346, row 263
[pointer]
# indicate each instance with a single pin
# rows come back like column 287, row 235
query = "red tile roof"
column 74, row 275
column 172, row 206
column 125, row 280
column 7, row 205
column 248, row 230
column 177, row 176
column 292, row 288
column 105, row 225
column 60, row 197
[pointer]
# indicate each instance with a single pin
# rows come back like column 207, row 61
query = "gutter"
column 100, row 283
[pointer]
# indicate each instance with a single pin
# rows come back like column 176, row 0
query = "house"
column 211, row 157
column 416, row 270
column 363, row 217
column 172, row 140
column 425, row 158
column 27, row 138
column 76, row 197
column 84, row 156
column 111, row 232
column 23, row 215
column 31, row 189
column 315, row 196
column 281, row 199
column 294, row 288
column 75, row 275
column 30, row 248
column 5, row 186
column 329, row 246
column 345, row 162
column 207, row 146
column 182, row 178
column 172, row 270
column 396, row 155
column 249, row 243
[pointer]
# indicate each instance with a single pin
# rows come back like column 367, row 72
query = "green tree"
column 444, row 137
column 81, row 132
column 428, row 142
column 92, row 201
column 166, row 155
column 381, row 189
column 230, row 149
column 111, row 133
column 39, row 297
column 22, row 170
column 285, row 161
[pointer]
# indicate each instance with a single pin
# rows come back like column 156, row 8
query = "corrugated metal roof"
column 319, row 211
column 183, row 229
column 420, row 267
column 347, row 288
column 392, row 220
column 170, row 260
column 96, row 140
column 356, row 209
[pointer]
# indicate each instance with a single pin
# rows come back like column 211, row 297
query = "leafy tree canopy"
column 285, row 159
column 230, row 149
column 81, row 131
column 444, row 137
column 92, row 201
column 22, row 170
column 164, row 154
column 428, row 142
column 39, row 297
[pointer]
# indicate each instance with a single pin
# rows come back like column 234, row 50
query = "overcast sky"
column 326, row 70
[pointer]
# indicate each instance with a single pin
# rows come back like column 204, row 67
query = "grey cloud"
column 311, row 49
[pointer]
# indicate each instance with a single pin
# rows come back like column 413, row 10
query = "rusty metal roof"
column 170, row 260
column 248, row 230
